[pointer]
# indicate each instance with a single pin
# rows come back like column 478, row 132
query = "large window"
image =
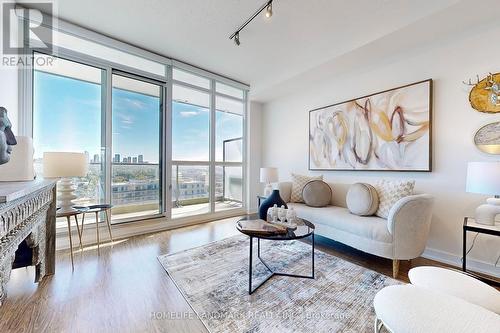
column 136, row 124
column 195, row 124
column 229, row 151
column 67, row 116
column 161, row 138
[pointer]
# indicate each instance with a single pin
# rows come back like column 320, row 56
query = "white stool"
column 456, row 284
column 411, row 309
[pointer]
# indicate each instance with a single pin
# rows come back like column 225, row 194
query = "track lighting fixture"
column 268, row 6
column 269, row 10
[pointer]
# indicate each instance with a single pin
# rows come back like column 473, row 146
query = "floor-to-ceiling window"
column 207, row 143
column 229, row 121
column 68, row 116
column 153, row 129
column 136, row 189
column 190, row 145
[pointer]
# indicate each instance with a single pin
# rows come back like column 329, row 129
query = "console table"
column 470, row 225
column 27, row 228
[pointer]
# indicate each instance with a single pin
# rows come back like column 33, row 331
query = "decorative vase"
column 273, row 199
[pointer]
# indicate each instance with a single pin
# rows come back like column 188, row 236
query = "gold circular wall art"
column 480, row 95
column 487, row 138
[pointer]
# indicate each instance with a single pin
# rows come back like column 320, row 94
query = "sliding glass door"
column 136, row 181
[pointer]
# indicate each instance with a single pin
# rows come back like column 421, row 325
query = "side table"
column 68, row 215
column 471, row 225
column 97, row 209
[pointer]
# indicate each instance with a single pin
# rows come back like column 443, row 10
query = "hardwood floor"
column 119, row 289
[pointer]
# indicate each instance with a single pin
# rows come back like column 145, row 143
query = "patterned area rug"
column 214, row 280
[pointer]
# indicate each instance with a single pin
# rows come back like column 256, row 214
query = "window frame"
column 26, row 113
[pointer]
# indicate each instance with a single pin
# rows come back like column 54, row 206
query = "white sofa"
column 402, row 236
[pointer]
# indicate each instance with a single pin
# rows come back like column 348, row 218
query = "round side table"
column 106, row 208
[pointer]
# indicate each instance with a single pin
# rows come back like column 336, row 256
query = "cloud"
column 135, row 103
column 125, row 119
column 188, row 114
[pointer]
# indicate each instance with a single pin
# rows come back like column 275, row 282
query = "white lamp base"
column 65, row 195
column 485, row 214
column 268, row 189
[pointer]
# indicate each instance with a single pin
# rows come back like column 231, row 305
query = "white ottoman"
column 411, row 309
column 456, row 284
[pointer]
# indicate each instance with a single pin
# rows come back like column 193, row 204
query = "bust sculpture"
column 7, row 138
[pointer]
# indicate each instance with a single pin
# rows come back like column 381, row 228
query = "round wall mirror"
column 487, row 138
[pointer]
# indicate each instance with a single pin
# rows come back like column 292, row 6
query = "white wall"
column 254, row 148
column 447, row 62
column 9, row 81
column 8, row 94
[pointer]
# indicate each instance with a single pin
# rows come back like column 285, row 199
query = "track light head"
column 237, row 38
column 269, row 10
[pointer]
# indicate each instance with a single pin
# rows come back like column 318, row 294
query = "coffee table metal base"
column 274, row 273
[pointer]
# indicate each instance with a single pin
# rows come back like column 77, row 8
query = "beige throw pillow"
column 298, row 183
column 362, row 199
column 389, row 192
column 317, row 193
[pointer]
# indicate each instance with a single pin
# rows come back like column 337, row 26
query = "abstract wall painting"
column 386, row 131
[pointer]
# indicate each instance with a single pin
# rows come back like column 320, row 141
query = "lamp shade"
column 64, row 164
column 483, row 177
column 268, row 175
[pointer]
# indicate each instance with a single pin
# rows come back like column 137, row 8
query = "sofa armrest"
column 285, row 190
column 409, row 223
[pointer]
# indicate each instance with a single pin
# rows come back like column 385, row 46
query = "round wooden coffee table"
column 304, row 229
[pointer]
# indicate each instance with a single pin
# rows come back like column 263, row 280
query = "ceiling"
column 301, row 35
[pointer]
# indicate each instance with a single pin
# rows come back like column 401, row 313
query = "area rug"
column 214, row 280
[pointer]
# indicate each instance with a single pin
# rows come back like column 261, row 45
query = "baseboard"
column 454, row 260
column 130, row 229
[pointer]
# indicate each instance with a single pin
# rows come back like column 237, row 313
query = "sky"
column 67, row 117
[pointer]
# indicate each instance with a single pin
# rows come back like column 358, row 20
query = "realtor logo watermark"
column 25, row 29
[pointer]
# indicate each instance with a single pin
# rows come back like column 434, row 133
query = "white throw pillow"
column 389, row 192
column 298, row 183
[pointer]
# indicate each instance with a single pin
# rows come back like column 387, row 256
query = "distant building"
column 141, row 159
column 96, row 158
column 129, row 159
column 134, row 160
column 135, row 192
column 191, row 189
column 117, row 158
column 124, row 160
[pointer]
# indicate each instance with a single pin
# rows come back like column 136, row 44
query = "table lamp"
column 268, row 176
column 484, row 178
column 65, row 165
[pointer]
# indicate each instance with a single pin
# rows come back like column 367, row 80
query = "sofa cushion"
column 298, row 183
column 362, row 199
column 317, row 193
column 371, row 227
column 389, row 192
